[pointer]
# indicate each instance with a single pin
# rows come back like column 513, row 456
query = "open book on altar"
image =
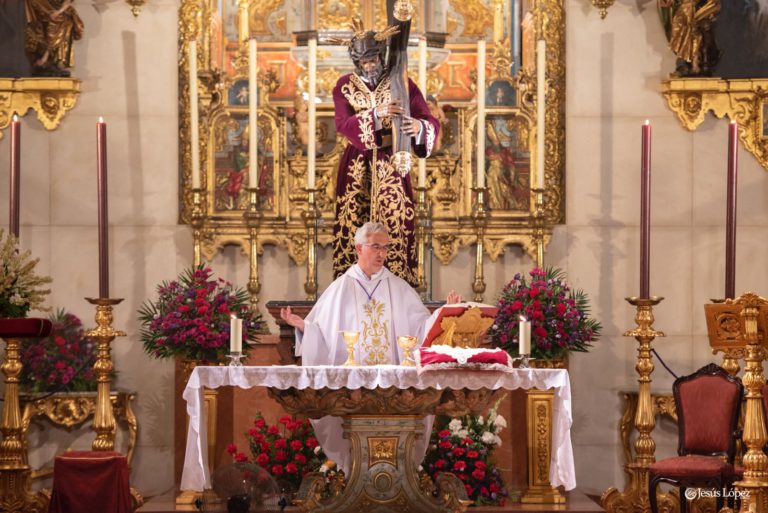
column 453, row 336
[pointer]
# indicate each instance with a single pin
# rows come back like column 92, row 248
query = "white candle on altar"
column 541, row 102
column 194, row 123
column 481, row 113
column 235, row 335
column 524, row 339
column 253, row 96
column 423, row 88
column 244, row 29
column 311, row 125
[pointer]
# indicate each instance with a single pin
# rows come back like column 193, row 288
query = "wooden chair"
column 708, row 404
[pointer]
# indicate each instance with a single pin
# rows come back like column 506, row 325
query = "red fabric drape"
column 90, row 482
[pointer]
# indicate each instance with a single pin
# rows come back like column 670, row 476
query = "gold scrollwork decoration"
column 742, row 100
column 50, row 98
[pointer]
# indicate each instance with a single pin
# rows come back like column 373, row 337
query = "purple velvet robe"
column 370, row 149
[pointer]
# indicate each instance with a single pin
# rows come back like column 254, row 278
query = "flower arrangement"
column 559, row 316
column 62, row 361
column 288, row 450
column 20, row 287
column 465, row 447
column 191, row 317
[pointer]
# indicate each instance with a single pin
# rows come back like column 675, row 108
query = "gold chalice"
column 407, row 344
column 350, row 338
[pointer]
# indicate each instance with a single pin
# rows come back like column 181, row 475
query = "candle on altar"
column 498, row 21
column 541, row 103
column 730, row 224
column 253, row 96
column 101, row 179
column 423, row 88
column 645, row 211
column 524, row 338
column 15, row 186
column 311, row 125
column 243, row 28
column 481, row 113
column 235, row 335
column 194, row 123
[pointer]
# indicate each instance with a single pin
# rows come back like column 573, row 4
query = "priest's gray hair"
column 368, row 229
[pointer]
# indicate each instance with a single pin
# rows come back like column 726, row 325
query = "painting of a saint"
column 500, row 93
column 742, row 37
column 507, row 166
column 238, row 93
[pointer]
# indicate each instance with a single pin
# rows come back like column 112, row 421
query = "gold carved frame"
column 450, row 201
column 742, row 100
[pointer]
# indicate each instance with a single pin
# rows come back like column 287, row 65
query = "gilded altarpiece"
column 452, row 29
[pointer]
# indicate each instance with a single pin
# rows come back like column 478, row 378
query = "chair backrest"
column 708, row 404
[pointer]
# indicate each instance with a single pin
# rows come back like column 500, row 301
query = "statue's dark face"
column 371, row 68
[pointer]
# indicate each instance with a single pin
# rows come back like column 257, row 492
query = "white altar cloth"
column 196, row 475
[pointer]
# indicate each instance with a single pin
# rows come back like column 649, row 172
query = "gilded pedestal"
column 15, row 474
column 382, row 426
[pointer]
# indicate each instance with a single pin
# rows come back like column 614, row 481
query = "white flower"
column 323, row 468
column 454, row 425
column 500, row 422
column 421, row 469
column 480, row 419
column 463, row 433
column 497, row 440
column 488, row 438
column 317, row 450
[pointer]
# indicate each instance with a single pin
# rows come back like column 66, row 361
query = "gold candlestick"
column 635, row 497
column 15, row 474
column 407, row 343
column 197, row 220
column 350, row 338
column 311, row 217
column 103, row 334
column 423, row 214
column 480, row 219
column 539, row 223
column 252, row 218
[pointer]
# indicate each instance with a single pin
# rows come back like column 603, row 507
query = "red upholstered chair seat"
column 682, row 467
column 90, row 482
column 707, row 404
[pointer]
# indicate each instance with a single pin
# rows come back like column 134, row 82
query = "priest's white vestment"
column 380, row 308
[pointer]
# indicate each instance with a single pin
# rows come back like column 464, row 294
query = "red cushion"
column 90, row 482
column 22, row 327
column 708, row 422
column 691, row 466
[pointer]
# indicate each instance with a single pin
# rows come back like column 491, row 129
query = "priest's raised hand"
column 291, row 318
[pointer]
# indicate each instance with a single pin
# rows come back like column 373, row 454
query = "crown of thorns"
column 359, row 32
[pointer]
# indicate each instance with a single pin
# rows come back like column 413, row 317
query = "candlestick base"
column 234, row 359
column 525, row 361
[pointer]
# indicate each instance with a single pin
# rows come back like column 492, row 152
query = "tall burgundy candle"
column 730, row 223
column 101, row 163
column 15, row 187
column 645, row 211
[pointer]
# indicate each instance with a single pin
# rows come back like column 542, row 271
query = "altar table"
column 451, row 391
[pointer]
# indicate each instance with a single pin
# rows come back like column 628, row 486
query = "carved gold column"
column 311, row 217
column 15, row 474
column 252, row 218
column 480, row 219
column 104, row 334
column 755, row 462
column 197, row 220
column 539, row 225
column 422, row 224
column 539, row 426
column 635, row 497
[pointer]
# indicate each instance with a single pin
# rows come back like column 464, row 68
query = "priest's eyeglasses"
column 378, row 247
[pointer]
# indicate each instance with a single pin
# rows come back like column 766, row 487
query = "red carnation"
column 311, row 442
column 469, row 489
column 273, row 430
column 444, row 433
column 300, row 458
column 445, row 444
column 480, row 465
column 459, row 465
column 277, row 470
column 280, row 443
column 472, row 454
column 240, row 457
column 291, row 468
column 231, row 448
column 440, row 464
column 262, row 459
column 296, row 445
column 260, row 422
column 540, row 332
column 458, row 452
column 280, row 456
column 478, row 474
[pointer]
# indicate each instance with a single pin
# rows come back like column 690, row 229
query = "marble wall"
column 614, row 67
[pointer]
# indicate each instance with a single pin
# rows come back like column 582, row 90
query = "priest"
column 372, row 301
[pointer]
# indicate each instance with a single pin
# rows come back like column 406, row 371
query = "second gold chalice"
column 350, row 338
column 407, row 344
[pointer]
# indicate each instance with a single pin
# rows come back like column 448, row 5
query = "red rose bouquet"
column 288, row 450
column 191, row 317
column 62, row 361
column 465, row 447
column 559, row 316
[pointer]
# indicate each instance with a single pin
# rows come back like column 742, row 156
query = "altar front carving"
column 377, row 405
